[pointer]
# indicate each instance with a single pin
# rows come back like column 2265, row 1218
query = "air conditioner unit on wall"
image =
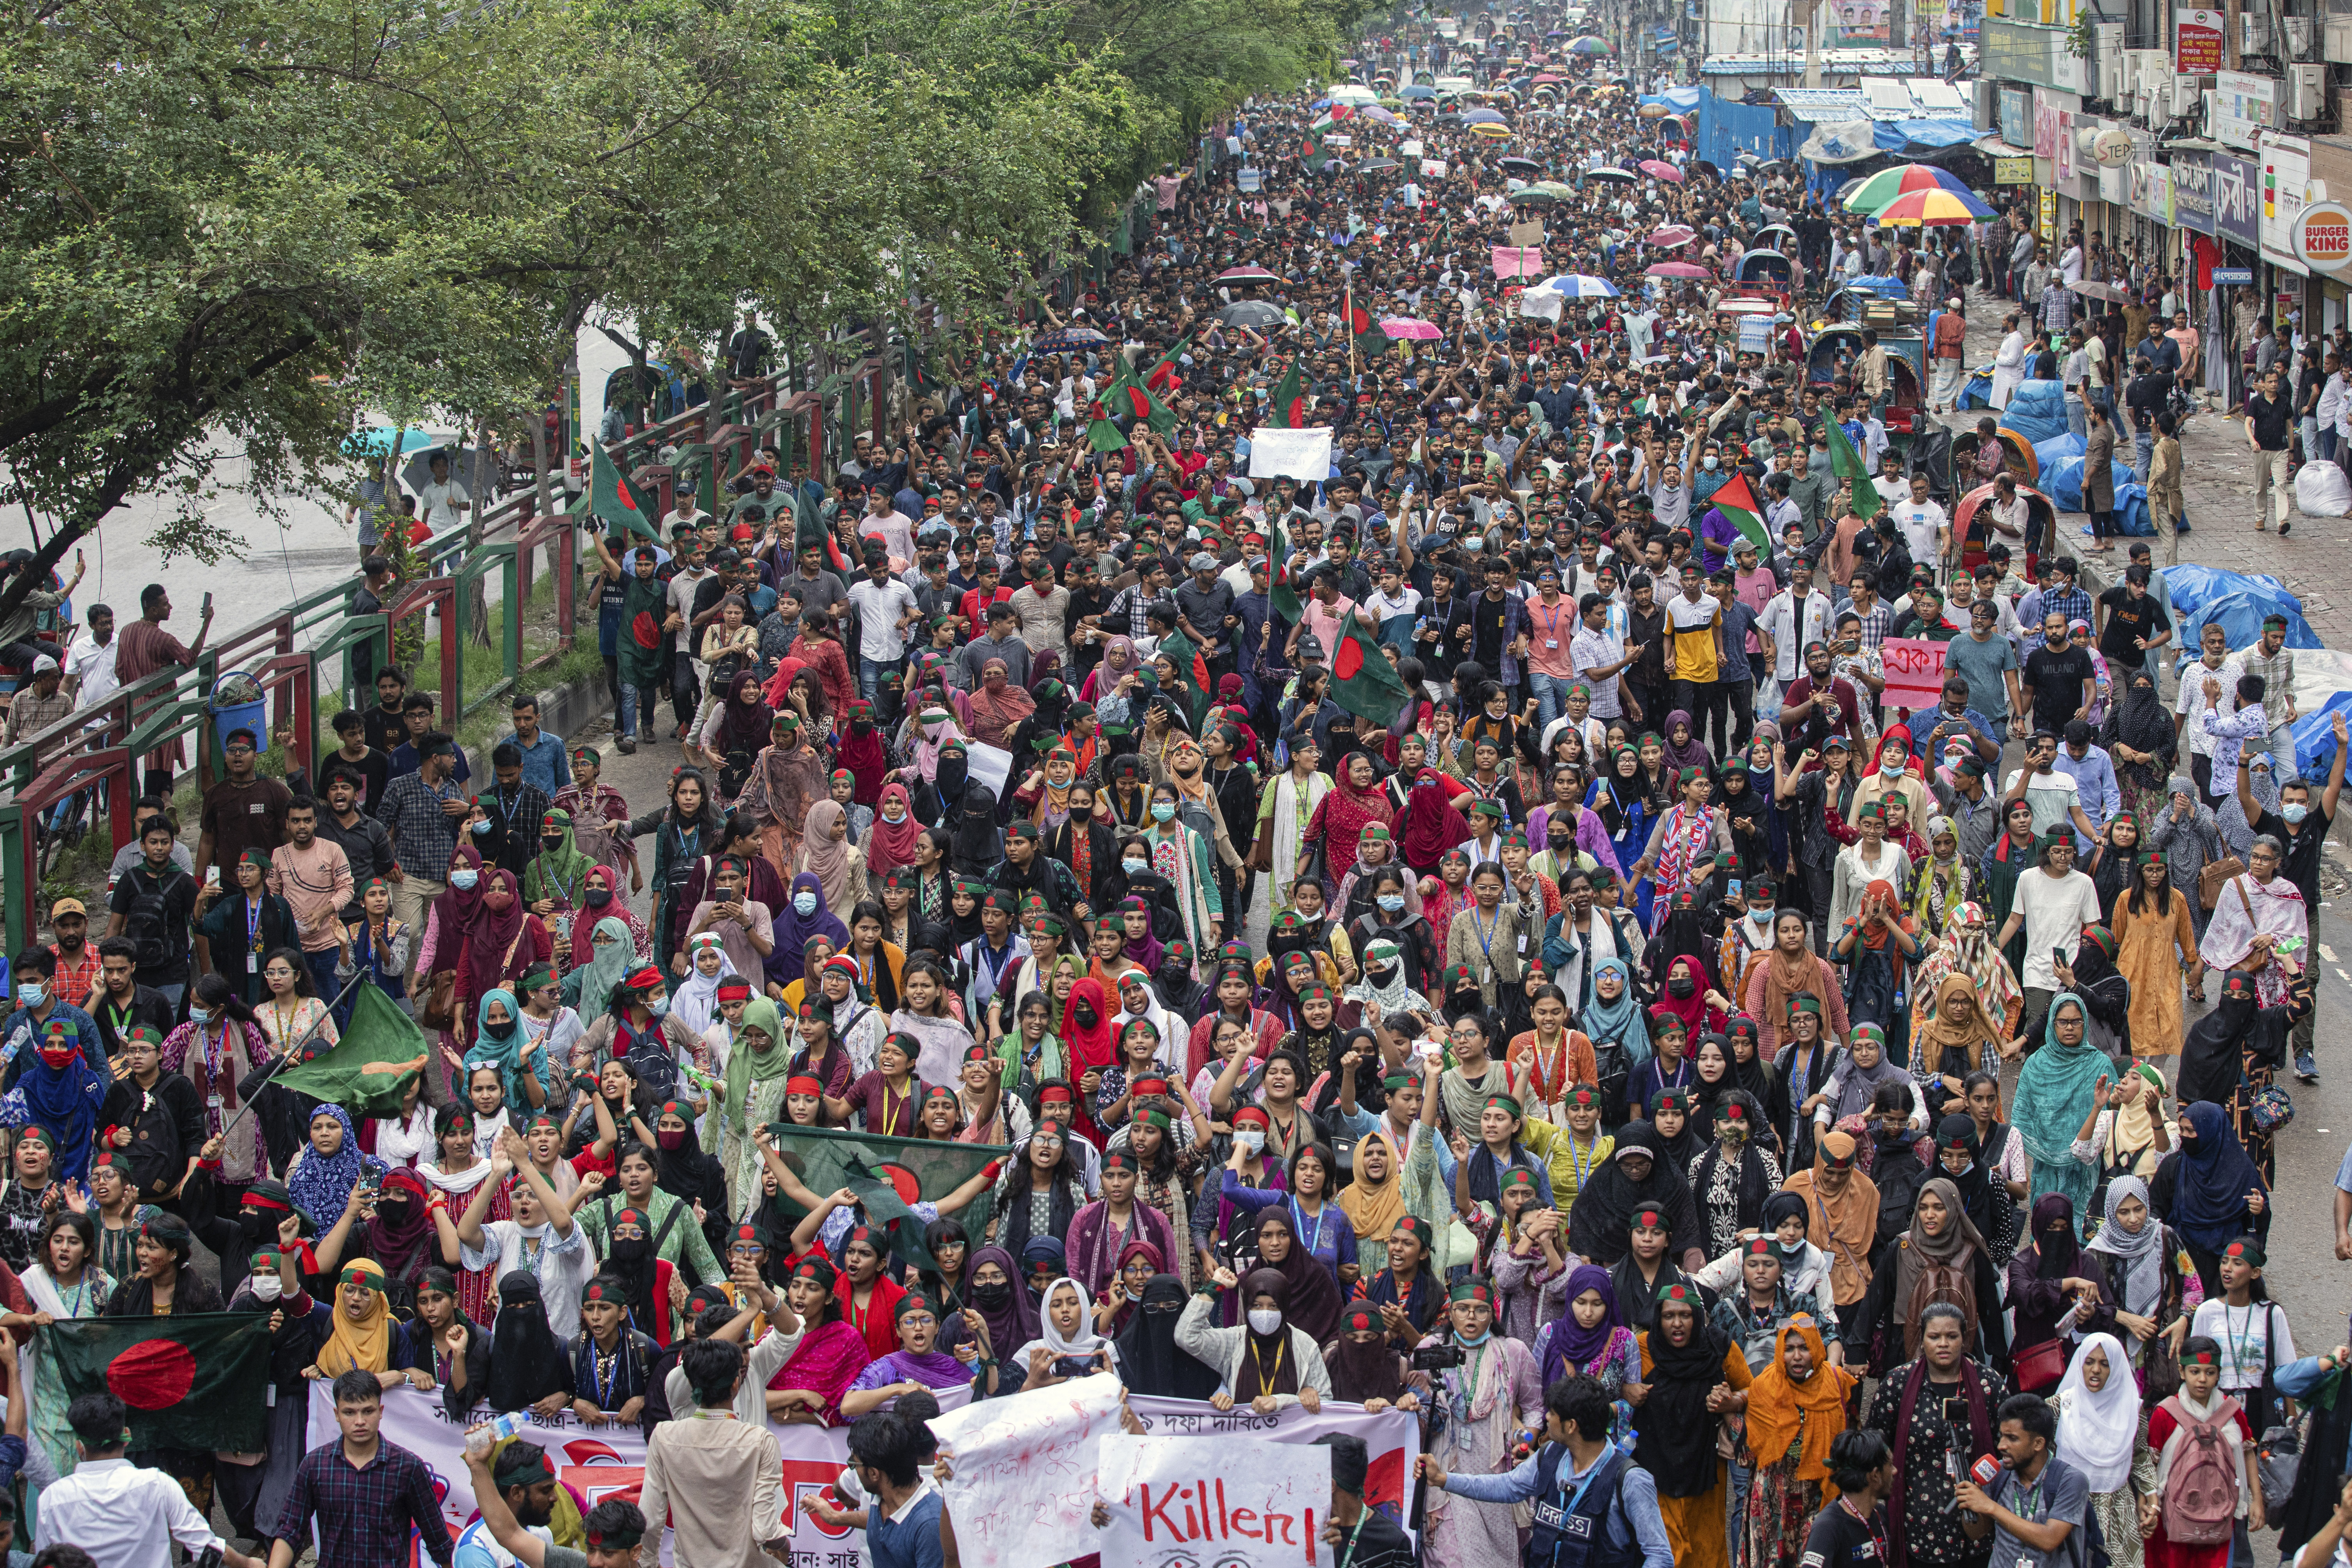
column 2307, row 92
column 2188, row 95
column 2253, row 33
column 2298, row 34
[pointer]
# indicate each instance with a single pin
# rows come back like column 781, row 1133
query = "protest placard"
column 1239, row 1503
column 1914, row 672
column 1022, row 1472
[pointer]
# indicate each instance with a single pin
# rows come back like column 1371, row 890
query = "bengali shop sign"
column 2237, row 209
column 1914, row 672
column 2197, row 42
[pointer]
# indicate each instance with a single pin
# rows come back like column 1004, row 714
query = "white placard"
column 1304, row 455
column 990, row 765
column 1434, row 167
column 1022, row 1486
column 1409, row 148
column 1238, row 1502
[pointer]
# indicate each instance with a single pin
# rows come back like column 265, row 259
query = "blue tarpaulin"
column 2064, row 484
column 2240, row 616
column 1932, row 135
column 1728, row 128
column 2314, row 738
column 1680, row 99
column 2190, row 588
column 2037, row 411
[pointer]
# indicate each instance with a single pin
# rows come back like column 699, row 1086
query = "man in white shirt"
column 1793, row 620
column 123, row 1515
column 441, row 500
column 90, row 662
column 2052, row 904
column 1927, row 531
column 541, row 1240
column 886, row 607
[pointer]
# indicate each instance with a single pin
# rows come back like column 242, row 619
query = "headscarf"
column 1431, row 825
column 1144, row 950
column 400, row 1246
column 561, row 871
column 506, row 1055
column 1570, row 1340
column 2209, row 1197
column 1859, row 1085
column 1086, row 1342
column 2098, row 1432
column 454, row 909
column 1090, row 1048
column 1601, row 1220
column 321, row 1184
column 1000, row 712
column 2141, row 721
column 793, row 770
column 1624, row 1022
column 65, row 1102
column 1921, row 1252
column 1361, row 1372
column 857, row 750
column 364, row 1343
column 794, row 930
column 1673, row 1431
column 1690, row 754
column 827, row 857
column 891, row 844
column 2213, row 1050
column 1965, row 948
column 744, row 725
column 931, row 738
column 1939, row 1036
column 1014, row 1323
column 603, row 972
column 1781, row 1409
column 2052, row 1094
column 2056, row 1252
column 495, row 951
column 1373, row 1209
column 1842, row 1224
column 1314, row 1295
column 1149, row 1361
column 527, row 1364
column 979, row 845
column 2142, row 1256
column 1690, row 1009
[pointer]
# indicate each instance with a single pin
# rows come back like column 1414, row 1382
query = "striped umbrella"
column 1933, row 207
column 1888, row 184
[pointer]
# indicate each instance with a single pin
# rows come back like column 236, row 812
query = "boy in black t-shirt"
column 2133, row 622
column 2058, row 677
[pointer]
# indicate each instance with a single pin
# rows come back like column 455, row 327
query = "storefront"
column 2331, row 181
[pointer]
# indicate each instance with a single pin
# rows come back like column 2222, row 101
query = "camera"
column 1437, row 1358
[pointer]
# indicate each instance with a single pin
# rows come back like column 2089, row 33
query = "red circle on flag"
column 153, row 1376
column 1348, row 659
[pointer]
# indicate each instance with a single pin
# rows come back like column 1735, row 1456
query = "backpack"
column 146, row 924
column 2200, row 1495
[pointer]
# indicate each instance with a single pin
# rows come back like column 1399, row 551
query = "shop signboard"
column 2237, row 203
column 2012, row 170
column 2243, row 107
column 2285, row 173
column 2192, row 192
column 2197, row 48
column 2321, row 237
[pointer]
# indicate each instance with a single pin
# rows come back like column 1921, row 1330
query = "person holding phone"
column 146, row 647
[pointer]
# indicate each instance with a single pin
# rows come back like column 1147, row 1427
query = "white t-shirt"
column 2244, row 1332
column 879, row 608
column 1383, row 608
column 2190, row 700
column 2053, row 796
column 2057, row 909
column 562, row 1264
column 439, row 504
column 1920, row 521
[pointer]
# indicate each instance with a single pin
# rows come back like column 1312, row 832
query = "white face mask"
column 1250, row 1138
column 805, row 903
column 268, row 1287
column 1263, row 1319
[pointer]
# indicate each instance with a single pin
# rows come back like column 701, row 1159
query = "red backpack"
column 2201, row 1494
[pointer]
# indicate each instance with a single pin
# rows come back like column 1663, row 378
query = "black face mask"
column 1086, row 1014
column 861, row 726
column 993, row 1294
column 551, row 842
column 499, row 1031
column 597, row 897
column 1081, row 812
column 1681, row 986
column 253, row 1224
column 635, row 1250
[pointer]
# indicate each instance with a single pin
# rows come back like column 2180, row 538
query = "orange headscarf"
column 1782, row 1411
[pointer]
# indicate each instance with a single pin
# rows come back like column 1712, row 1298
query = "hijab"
column 2209, row 1199
column 1941, row 1037
column 891, row 844
column 794, row 931
column 65, row 1102
column 454, row 909
column 2098, row 1432
column 2142, row 1286
column 561, row 871
column 979, row 844
column 744, row 727
column 1014, row 1322
column 1601, row 1221
column 400, row 1244
column 1373, row 1209
column 1431, row 825
column 1619, row 1023
column 1151, row 1363
column 2047, row 1112
column 827, row 857
column 1858, row 1086
column 1781, row 1409
column 495, row 951
column 526, row 1363
column 1920, row 1253
column 321, row 1184
column 1570, row 1340
column 2056, row 1253
column 607, row 968
column 1673, row 1431
column 1312, row 1299
column 1083, row 1343
column 362, row 1343
column 1361, row 1372
column 1687, row 755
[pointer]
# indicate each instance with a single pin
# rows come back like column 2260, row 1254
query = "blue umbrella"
column 1068, row 340
column 1580, row 286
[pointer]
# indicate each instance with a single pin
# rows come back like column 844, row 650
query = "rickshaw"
column 2040, row 530
column 1775, row 236
column 1765, row 266
column 1674, row 131
column 1835, row 348
column 2017, row 454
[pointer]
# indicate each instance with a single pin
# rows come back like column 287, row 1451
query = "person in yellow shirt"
column 1695, row 657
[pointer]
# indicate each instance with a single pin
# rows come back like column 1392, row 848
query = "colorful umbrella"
column 1676, row 270
column 1545, row 78
column 1588, row 45
column 1883, row 187
column 1580, row 286
column 1933, row 207
column 1412, row 327
column 1627, row 175
column 1670, row 236
column 1662, row 169
column 1246, row 273
column 1482, row 117
column 1066, row 339
column 1490, row 132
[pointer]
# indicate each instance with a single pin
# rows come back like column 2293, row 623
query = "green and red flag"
column 1365, row 328
column 1847, row 464
column 889, row 1175
column 1163, row 376
column 808, row 524
column 372, row 1066
column 1362, row 680
column 1287, row 410
column 1101, row 434
column 1738, row 502
column 1131, row 396
column 1280, row 593
column 189, row 1381
column 609, row 498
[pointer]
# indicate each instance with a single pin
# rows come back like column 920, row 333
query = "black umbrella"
column 1377, row 165
column 1522, row 165
column 1252, row 313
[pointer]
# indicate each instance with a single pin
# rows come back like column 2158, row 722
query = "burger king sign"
column 2322, row 237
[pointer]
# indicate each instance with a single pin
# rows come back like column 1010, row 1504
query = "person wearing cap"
column 42, row 705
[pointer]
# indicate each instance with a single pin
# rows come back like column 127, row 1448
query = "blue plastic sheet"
column 2063, row 483
column 1978, row 393
column 2132, row 518
column 2240, row 616
column 2314, row 738
column 2191, row 587
column 2049, row 452
column 2037, row 411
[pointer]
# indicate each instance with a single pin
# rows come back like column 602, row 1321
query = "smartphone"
column 2058, row 958
column 1731, row 889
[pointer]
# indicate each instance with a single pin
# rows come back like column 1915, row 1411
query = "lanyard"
column 1265, row 1377
column 1298, row 1217
column 1487, row 935
column 598, row 1367
column 1348, row 1553
column 1608, row 1452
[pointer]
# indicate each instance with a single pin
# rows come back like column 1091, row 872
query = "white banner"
column 1248, row 1504
column 1022, row 1486
column 1393, row 1438
column 1304, row 455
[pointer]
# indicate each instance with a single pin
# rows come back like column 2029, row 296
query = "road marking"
column 2327, row 952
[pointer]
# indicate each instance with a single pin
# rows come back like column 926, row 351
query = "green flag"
column 1129, row 395
column 1738, row 502
column 192, row 1382
column 1847, row 464
column 1161, row 377
column 381, row 1050
column 1362, row 680
column 609, row 498
column 888, row 1174
column 1287, row 408
column 1280, row 593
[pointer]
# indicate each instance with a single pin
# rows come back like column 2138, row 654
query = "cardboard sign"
column 1529, row 233
column 1409, row 148
column 1238, row 1502
column 1914, row 672
column 1434, row 167
column 1023, row 1482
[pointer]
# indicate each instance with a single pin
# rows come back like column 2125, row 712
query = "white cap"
column 43, row 664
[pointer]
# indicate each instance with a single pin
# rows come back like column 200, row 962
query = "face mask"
column 670, row 1137
column 31, row 993
column 481, row 828
column 2292, row 815
column 1086, row 1014
column 1250, row 1138
column 1733, row 1133
column 1137, row 868
column 268, row 1287
column 200, row 1015
column 1681, row 986
column 634, row 1249
column 658, row 1007
column 1713, row 462
column 1081, row 812
column 1263, row 1319
column 599, row 897
column 551, row 842
column 464, row 880
column 895, row 815
column 499, row 1031
column 804, row 903
column 1465, row 1341
column 1390, row 904
column 860, row 726
column 992, row 1294
column 1162, row 810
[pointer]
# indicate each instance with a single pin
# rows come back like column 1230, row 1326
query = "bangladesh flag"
column 887, row 1174
column 1161, row 377
column 1280, row 593
column 1847, row 464
column 1132, row 396
column 1311, row 153
column 1362, row 680
column 370, row 1070
column 192, row 1382
column 1192, row 673
column 1287, row 408
column 1365, row 328
column 609, row 498
column 1738, row 502
column 1101, row 434
column 808, row 524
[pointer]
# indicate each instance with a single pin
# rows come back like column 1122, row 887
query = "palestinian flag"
column 192, row 1382
column 1287, row 410
column 808, row 525
column 1101, row 434
column 1365, row 328
column 1161, row 377
column 381, row 1051
column 1847, row 464
column 1362, row 680
column 1738, row 502
column 1131, row 396
column 888, row 1174
column 609, row 498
